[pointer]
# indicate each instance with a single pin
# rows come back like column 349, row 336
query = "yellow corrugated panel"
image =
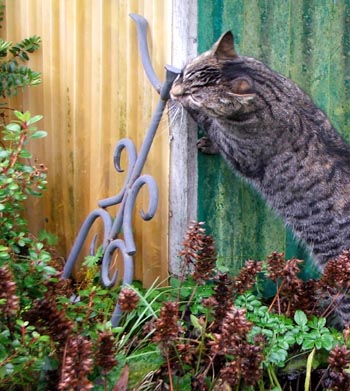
column 94, row 92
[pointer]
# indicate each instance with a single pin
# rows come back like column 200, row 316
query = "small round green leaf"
column 38, row 134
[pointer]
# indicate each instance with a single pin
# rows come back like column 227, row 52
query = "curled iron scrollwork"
column 133, row 183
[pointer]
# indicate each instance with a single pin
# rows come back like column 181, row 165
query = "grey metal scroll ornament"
column 133, row 183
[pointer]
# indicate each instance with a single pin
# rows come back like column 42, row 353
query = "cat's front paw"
column 205, row 145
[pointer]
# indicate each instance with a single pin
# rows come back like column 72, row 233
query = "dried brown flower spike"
column 105, row 354
column 76, row 366
column 339, row 361
column 275, row 266
column 167, row 325
column 222, row 299
column 50, row 320
column 247, row 276
column 199, row 251
column 244, row 367
column 336, row 275
column 128, row 300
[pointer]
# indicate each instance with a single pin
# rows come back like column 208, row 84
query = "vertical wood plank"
column 183, row 151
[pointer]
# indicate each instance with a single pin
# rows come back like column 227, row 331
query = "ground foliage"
column 218, row 332
column 205, row 330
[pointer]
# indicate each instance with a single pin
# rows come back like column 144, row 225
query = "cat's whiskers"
column 174, row 114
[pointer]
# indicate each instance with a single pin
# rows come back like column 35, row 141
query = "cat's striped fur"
column 271, row 132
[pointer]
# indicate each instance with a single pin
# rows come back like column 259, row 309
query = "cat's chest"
column 252, row 143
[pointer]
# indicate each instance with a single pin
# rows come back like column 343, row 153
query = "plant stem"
column 273, row 378
column 276, row 296
column 324, row 374
column 171, row 387
column 202, row 344
column 332, row 306
column 15, row 154
column 105, row 382
column 183, row 275
column 189, row 301
column 261, row 385
column 64, row 359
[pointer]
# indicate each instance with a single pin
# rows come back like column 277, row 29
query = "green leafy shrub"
column 19, row 178
column 24, row 262
column 13, row 73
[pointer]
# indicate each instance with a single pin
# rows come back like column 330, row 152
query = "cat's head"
column 216, row 83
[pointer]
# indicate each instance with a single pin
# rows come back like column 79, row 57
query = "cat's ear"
column 242, row 86
column 225, row 46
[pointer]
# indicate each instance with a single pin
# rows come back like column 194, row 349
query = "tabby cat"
column 271, row 132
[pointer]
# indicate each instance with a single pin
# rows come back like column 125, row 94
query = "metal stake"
column 134, row 181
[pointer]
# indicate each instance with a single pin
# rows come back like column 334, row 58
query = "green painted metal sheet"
column 309, row 42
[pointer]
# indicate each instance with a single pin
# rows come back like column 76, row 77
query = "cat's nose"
column 177, row 90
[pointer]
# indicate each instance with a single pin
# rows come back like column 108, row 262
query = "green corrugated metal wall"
column 306, row 40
